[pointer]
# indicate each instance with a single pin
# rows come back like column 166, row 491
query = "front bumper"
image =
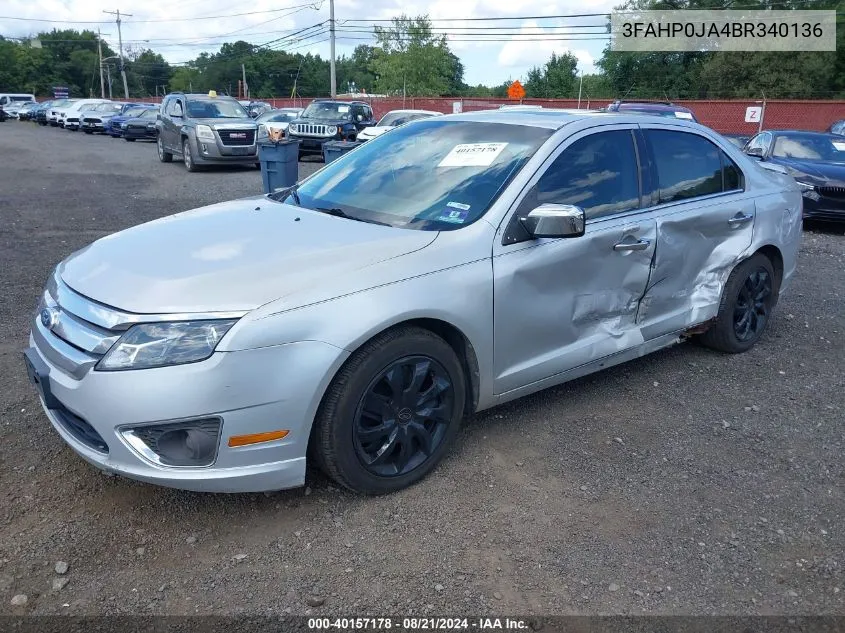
column 251, row 391
column 818, row 207
column 214, row 152
column 312, row 145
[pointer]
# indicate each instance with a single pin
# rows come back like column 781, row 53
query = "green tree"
column 555, row 80
column 411, row 59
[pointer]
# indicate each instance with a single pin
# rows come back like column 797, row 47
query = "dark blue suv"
column 655, row 108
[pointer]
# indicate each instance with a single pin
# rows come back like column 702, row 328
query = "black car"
column 817, row 162
column 143, row 126
column 838, row 128
column 39, row 115
column 737, row 139
column 327, row 120
column 3, row 115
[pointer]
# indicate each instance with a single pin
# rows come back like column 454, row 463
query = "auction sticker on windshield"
column 472, row 155
column 683, row 115
column 454, row 216
column 839, row 146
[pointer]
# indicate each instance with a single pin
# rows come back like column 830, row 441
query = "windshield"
column 133, row 112
column 223, row 109
column 21, row 98
column 431, row 175
column 399, row 118
column 327, row 111
column 275, row 116
column 813, row 147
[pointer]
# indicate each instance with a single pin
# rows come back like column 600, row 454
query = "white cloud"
column 184, row 40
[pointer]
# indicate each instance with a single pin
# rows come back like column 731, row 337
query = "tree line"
column 407, row 57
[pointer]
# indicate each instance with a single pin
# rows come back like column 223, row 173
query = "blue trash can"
column 335, row 149
column 279, row 164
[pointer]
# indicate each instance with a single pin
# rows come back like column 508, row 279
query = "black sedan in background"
column 737, row 139
column 143, row 126
column 817, row 162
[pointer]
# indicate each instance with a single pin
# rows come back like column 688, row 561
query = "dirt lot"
column 687, row 482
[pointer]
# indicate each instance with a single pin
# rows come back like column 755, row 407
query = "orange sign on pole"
column 516, row 91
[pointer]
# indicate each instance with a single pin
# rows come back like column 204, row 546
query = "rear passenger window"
column 689, row 166
column 597, row 173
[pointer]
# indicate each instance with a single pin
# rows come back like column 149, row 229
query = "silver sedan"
column 454, row 264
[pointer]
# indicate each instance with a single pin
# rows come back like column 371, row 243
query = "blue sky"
column 181, row 30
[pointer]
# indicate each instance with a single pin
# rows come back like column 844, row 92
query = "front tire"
column 163, row 156
column 188, row 156
column 747, row 302
column 391, row 413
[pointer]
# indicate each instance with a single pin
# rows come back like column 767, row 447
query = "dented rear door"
column 701, row 236
column 561, row 303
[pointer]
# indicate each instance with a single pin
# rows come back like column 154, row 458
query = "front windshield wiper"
column 340, row 213
column 280, row 196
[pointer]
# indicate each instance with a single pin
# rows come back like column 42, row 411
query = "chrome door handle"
column 739, row 220
column 639, row 245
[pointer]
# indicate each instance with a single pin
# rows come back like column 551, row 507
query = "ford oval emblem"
column 49, row 317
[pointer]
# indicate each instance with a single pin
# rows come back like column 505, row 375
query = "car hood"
column 372, row 132
column 814, row 172
column 247, row 123
column 233, row 256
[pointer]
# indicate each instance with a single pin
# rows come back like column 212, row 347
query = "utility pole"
column 120, row 45
column 333, row 76
column 580, row 86
column 246, row 89
column 100, row 55
column 108, row 71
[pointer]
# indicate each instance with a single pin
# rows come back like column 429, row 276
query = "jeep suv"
column 329, row 120
column 204, row 130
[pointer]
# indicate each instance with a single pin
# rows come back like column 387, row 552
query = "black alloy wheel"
column 403, row 416
column 751, row 310
column 745, row 310
column 391, row 412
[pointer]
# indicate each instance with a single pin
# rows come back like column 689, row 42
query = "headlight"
column 262, row 130
column 805, row 186
column 160, row 344
column 205, row 132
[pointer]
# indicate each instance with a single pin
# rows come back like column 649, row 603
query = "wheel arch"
column 773, row 254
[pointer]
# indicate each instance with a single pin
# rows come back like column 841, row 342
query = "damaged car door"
column 705, row 223
column 563, row 302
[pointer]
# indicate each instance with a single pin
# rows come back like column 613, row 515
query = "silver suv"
column 454, row 264
column 205, row 130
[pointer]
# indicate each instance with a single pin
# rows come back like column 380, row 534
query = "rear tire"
column 749, row 297
column 391, row 413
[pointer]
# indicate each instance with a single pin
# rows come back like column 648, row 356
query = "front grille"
column 314, row 129
column 237, row 137
column 837, row 193
column 72, row 119
column 81, row 430
column 91, row 120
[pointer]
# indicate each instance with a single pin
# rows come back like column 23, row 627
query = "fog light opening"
column 179, row 444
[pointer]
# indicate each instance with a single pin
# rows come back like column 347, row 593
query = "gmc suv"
column 327, row 120
column 204, row 130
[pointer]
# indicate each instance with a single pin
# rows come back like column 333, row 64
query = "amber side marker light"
column 256, row 438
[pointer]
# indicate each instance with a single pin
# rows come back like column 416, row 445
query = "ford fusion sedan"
column 817, row 162
column 353, row 320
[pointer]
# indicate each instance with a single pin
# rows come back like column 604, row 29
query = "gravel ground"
column 686, row 482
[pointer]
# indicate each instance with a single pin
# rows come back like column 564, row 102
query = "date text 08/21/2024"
column 416, row 624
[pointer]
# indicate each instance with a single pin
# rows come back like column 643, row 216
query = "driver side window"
column 174, row 108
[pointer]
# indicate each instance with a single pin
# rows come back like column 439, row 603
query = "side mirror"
column 757, row 152
column 555, row 220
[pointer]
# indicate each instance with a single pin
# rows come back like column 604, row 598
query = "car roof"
column 412, row 112
column 555, row 118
